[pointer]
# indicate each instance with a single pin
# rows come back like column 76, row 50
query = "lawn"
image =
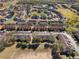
column 72, row 18
column 67, row 13
column 64, row 57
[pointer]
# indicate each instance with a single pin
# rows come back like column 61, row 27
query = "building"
column 4, row 1
column 43, row 37
column 49, row 1
column 23, row 35
column 33, row 25
column 65, row 42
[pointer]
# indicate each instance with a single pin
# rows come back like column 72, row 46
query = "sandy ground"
column 33, row 55
column 40, row 53
column 13, row 53
column 7, row 52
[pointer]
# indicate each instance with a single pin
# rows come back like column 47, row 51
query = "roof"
column 65, row 40
column 49, row 1
column 42, row 33
column 22, row 33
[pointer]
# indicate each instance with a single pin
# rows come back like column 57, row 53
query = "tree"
column 23, row 46
column 43, row 15
column 73, row 55
column 33, row 46
column 35, row 17
column 18, row 45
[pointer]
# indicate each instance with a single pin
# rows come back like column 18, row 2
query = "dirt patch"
column 29, row 54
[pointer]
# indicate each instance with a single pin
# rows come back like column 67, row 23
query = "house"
column 43, row 37
column 56, row 27
column 40, row 35
column 22, row 35
column 4, row 0
column 37, row 25
column 66, row 43
column 9, row 27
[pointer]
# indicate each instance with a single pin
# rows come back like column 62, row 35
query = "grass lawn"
column 64, row 57
column 72, row 18
column 67, row 13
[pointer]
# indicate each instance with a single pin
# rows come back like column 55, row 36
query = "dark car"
column 10, row 15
